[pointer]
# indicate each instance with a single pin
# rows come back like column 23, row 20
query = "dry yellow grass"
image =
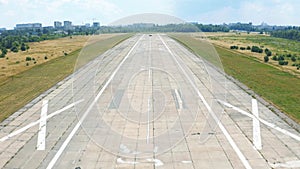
column 15, row 63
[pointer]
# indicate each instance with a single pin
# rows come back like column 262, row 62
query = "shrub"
column 248, row 48
column 256, row 49
column 28, row 58
column 242, row 48
column 268, row 52
column 293, row 59
column 281, row 57
column 234, row 47
column 266, row 58
column 282, row 62
column 45, row 57
column 274, row 58
column 27, row 64
column 14, row 49
column 23, row 47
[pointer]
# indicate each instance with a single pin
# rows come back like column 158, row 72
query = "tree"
column 281, row 57
column 256, row 49
column 282, row 62
column 14, row 49
column 266, row 58
column 23, row 47
column 274, row 58
column 293, row 59
column 4, row 51
column 268, row 52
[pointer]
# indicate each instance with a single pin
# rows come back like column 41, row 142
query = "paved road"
column 147, row 103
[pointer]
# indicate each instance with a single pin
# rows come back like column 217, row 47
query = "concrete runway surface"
column 147, row 103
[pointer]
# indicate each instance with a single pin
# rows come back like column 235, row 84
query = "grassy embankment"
column 278, row 46
column 21, row 88
column 279, row 87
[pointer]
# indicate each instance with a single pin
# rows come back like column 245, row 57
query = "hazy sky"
column 280, row 12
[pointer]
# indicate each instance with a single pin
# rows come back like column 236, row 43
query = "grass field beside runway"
column 277, row 86
column 20, row 89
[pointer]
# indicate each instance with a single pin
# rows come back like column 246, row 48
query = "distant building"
column 96, row 24
column 29, row 26
column 47, row 28
column 87, row 25
column 68, row 25
column 2, row 29
column 57, row 24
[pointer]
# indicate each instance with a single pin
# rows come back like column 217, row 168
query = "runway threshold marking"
column 273, row 126
column 42, row 128
column 220, row 125
column 256, row 126
column 38, row 121
column 70, row 136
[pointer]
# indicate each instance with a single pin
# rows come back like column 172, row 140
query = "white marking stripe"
column 179, row 100
column 148, row 123
column 42, row 129
column 37, row 122
column 66, row 142
column 289, row 164
column 121, row 161
column 186, row 162
column 227, row 135
column 256, row 126
column 294, row 136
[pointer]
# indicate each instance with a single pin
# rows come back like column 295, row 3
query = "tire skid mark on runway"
column 221, row 126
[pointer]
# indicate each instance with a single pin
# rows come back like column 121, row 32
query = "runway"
column 147, row 103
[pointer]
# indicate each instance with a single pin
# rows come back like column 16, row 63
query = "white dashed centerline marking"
column 221, row 126
column 179, row 100
column 148, row 122
column 42, row 128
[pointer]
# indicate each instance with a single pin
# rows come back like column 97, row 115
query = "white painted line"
column 223, row 129
column 256, row 126
column 179, row 100
column 149, row 74
column 186, row 162
column 41, row 141
column 66, row 142
column 294, row 136
column 289, row 164
column 121, row 161
column 157, row 162
column 38, row 121
column 148, row 122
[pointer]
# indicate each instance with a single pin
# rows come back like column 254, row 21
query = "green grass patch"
column 20, row 89
column 276, row 86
